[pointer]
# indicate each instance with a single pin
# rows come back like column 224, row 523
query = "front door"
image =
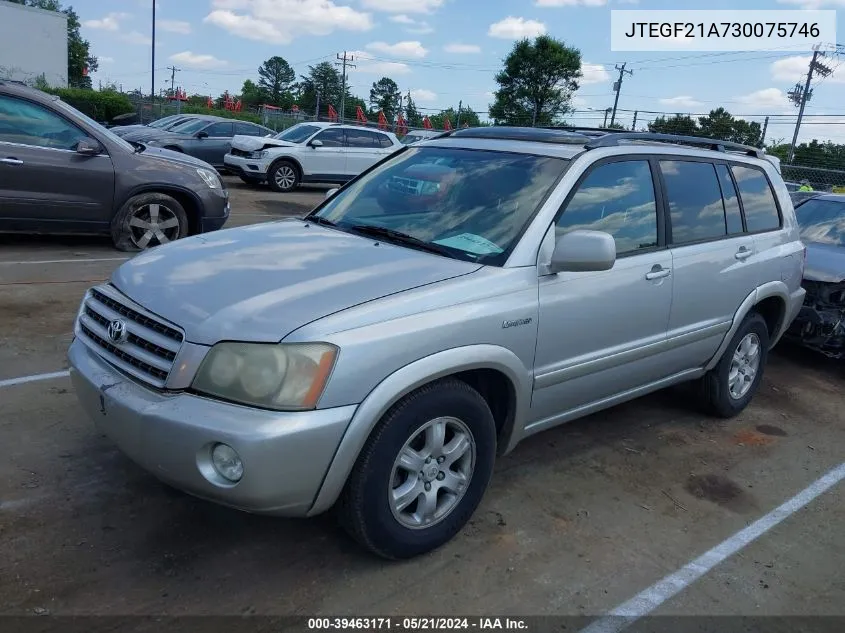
column 215, row 146
column 600, row 333
column 329, row 160
column 44, row 183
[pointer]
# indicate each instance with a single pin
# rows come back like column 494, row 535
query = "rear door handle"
column 658, row 274
column 11, row 161
column 743, row 253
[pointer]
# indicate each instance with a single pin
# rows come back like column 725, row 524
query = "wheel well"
column 185, row 199
column 286, row 159
column 772, row 309
column 497, row 389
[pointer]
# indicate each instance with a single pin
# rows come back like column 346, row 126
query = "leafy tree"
column 252, row 94
column 615, row 126
column 78, row 50
column 275, row 77
column 722, row 125
column 678, row 124
column 325, row 79
column 467, row 116
column 536, row 83
column 384, row 96
column 412, row 115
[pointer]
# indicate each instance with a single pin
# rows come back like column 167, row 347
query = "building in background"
column 33, row 42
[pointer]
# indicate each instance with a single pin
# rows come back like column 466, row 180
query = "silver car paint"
column 570, row 353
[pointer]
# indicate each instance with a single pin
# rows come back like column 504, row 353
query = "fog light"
column 227, row 462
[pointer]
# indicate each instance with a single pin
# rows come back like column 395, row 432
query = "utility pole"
column 399, row 113
column 153, row 68
column 763, row 135
column 634, row 124
column 458, row 122
column 800, row 95
column 606, row 112
column 346, row 64
column 173, row 70
column 317, row 110
column 617, row 87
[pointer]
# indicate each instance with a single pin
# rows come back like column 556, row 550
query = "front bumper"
column 246, row 167
column 285, row 455
column 216, row 207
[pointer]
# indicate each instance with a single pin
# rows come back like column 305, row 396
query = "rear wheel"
column 147, row 220
column 283, row 177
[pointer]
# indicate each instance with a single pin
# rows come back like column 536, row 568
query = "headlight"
column 274, row 376
column 210, row 178
column 257, row 155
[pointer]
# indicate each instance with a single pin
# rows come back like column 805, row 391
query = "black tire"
column 715, row 385
column 129, row 238
column 283, row 185
column 364, row 509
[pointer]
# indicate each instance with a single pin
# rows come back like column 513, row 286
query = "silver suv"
column 460, row 296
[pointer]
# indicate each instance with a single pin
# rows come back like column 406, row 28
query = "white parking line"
column 68, row 261
column 650, row 599
column 11, row 382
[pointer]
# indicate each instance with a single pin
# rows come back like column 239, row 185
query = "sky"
column 447, row 52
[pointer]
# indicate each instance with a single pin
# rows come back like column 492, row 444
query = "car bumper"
column 246, row 167
column 285, row 455
column 216, row 207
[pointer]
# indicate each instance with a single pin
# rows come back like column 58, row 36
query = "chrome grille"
column 149, row 347
column 240, row 152
column 408, row 186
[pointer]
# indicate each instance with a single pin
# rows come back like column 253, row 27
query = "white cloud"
column 195, row 60
column 402, row 19
column 765, row 100
column 404, row 6
column 512, row 28
column 682, row 101
column 795, row 69
column 174, row 26
column 367, row 64
column 399, row 49
column 815, row 4
column 593, row 74
column 281, row 21
column 462, row 49
column 422, row 28
column 134, row 37
column 111, row 22
column 570, row 3
column 421, row 94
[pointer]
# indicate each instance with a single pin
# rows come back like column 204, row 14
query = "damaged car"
column 821, row 323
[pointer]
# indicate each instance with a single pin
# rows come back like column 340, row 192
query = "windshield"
column 473, row 204
column 822, row 221
column 165, row 121
column 114, row 138
column 191, row 126
column 408, row 139
column 297, row 134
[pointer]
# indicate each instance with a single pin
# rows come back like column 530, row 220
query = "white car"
column 309, row 152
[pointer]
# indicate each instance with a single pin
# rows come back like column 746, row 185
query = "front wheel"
column 283, row 177
column 422, row 473
column 147, row 220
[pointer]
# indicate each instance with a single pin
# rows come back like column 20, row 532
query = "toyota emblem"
column 117, row 331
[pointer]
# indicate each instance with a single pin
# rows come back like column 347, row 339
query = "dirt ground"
column 577, row 520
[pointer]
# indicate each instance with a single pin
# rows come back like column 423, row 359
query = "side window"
column 384, row 141
column 617, row 198
column 361, row 138
column 695, row 201
column 247, row 129
column 27, row 123
column 733, row 215
column 758, row 201
column 220, row 130
column 331, row 137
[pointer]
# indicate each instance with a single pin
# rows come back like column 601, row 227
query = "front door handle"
column 11, row 161
column 658, row 273
column 743, row 253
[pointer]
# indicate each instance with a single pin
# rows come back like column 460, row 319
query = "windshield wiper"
column 316, row 219
column 398, row 237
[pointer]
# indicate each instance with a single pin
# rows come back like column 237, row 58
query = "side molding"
column 406, row 380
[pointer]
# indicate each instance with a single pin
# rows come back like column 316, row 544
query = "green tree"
column 722, row 125
column 412, row 115
column 536, row 83
column 384, row 96
column 253, row 94
column 678, row 124
column 467, row 117
column 275, row 77
column 79, row 55
column 325, row 80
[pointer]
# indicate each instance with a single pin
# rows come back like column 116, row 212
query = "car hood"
column 825, row 262
column 260, row 283
column 175, row 157
column 127, row 129
column 254, row 143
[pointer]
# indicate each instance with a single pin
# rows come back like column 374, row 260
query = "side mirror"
column 331, row 192
column 583, row 251
column 316, row 143
column 202, row 135
column 89, row 147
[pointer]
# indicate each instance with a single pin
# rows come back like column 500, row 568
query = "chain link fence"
column 820, row 179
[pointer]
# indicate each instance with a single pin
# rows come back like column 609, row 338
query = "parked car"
column 309, row 152
column 145, row 132
column 60, row 171
column 821, row 323
column 415, row 136
column 378, row 354
column 165, row 123
column 208, row 139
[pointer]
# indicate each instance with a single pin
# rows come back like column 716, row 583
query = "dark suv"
column 62, row 172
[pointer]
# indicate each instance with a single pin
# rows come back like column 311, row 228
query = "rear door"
column 44, row 183
column 363, row 150
column 712, row 257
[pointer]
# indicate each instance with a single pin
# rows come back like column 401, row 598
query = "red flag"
column 209, row 103
column 360, row 116
column 447, row 124
column 238, row 105
column 427, row 123
column 332, row 113
column 382, row 120
column 401, row 126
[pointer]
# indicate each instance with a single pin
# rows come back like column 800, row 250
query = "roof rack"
column 589, row 131
column 531, row 134
column 614, row 139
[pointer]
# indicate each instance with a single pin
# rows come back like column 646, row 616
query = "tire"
column 719, row 397
column 132, row 230
column 283, row 176
column 366, row 509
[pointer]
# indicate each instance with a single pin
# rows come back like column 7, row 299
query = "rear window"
column 822, row 221
column 758, row 199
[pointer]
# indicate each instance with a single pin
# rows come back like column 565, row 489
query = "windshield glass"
column 408, row 139
column 822, row 221
column 191, row 126
column 473, row 204
column 297, row 134
column 165, row 121
column 114, row 138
